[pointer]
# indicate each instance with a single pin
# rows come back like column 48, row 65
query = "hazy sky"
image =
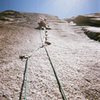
column 61, row 8
column 99, row 5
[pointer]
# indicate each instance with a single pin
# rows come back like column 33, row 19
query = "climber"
column 42, row 23
column 43, row 26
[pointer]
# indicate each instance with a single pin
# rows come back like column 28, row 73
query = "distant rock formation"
column 86, row 20
column 9, row 15
column 23, row 19
column 91, row 23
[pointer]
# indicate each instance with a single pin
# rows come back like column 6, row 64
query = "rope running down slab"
column 58, row 82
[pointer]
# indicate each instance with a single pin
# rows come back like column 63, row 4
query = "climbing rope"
column 24, row 77
column 58, row 82
column 24, row 82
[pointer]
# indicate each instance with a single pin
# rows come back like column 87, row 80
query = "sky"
column 61, row 8
column 99, row 5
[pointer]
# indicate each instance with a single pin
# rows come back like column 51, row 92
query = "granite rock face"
column 76, row 59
